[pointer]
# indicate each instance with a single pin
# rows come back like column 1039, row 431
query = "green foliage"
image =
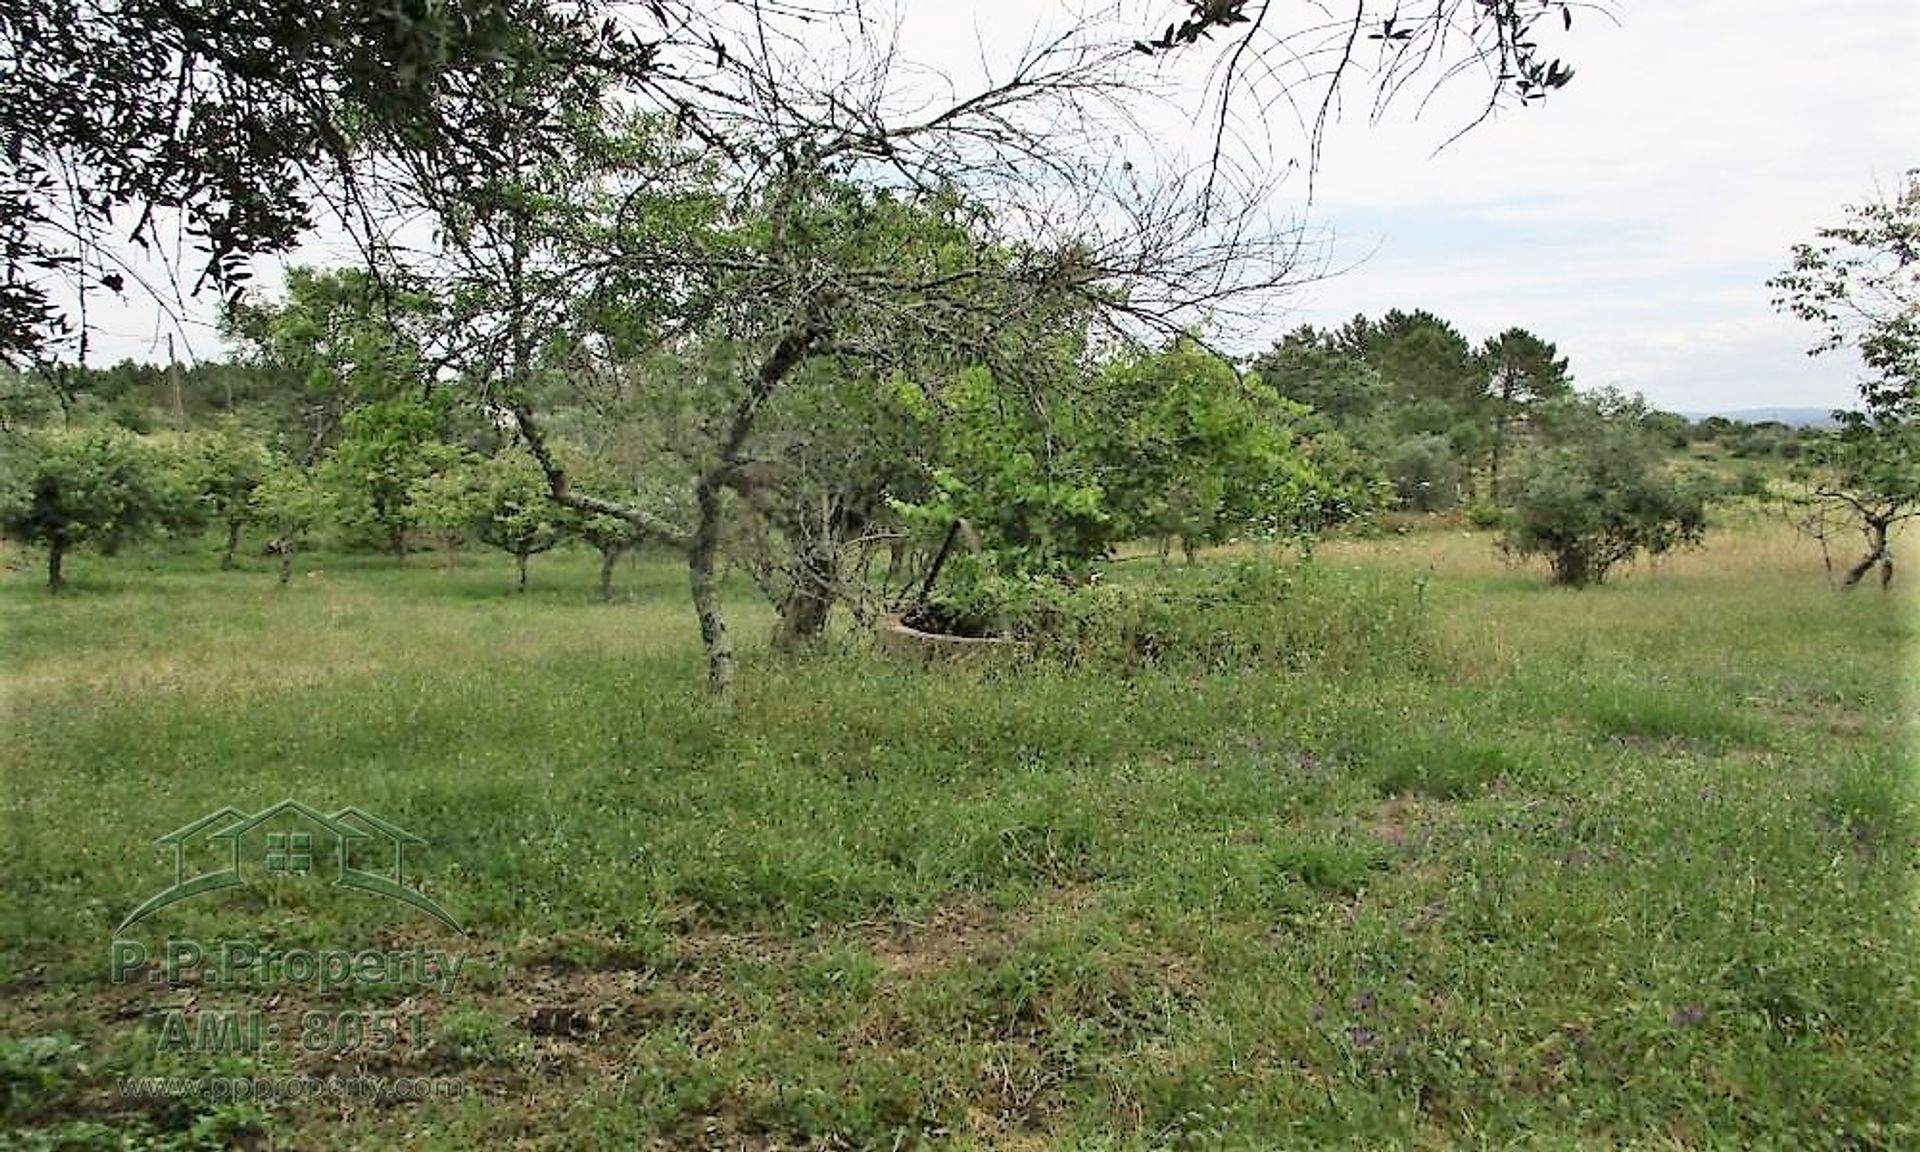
column 1309, row 367
column 518, row 516
column 339, row 339
column 1590, row 506
column 289, row 503
column 501, row 500
column 220, row 115
column 1486, row 516
column 1400, row 384
column 98, row 488
column 1524, row 370
column 1190, row 451
column 226, row 465
column 1856, row 281
column 1282, row 618
column 1171, row 444
column 1435, row 379
column 1425, row 475
column 450, row 504
column 1024, row 472
column 1880, row 461
column 387, row 448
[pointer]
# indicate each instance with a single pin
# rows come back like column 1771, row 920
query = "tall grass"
column 1408, row 850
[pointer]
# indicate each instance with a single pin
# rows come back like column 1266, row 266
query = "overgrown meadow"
column 1436, row 856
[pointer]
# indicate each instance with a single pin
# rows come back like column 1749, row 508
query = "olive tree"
column 1859, row 281
column 1599, row 500
column 798, row 196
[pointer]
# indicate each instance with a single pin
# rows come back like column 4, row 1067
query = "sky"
column 1633, row 218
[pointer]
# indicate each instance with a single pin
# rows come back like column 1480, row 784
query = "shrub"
column 1592, row 506
column 1288, row 617
column 1425, row 476
column 1486, row 517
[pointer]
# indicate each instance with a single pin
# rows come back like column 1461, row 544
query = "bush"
column 1287, row 617
column 1486, row 517
column 1425, row 476
column 1592, row 506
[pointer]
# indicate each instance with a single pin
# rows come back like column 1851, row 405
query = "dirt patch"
column 952, row 935
column 1402, row 821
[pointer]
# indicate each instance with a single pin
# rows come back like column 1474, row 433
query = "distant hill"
column 1792, row 417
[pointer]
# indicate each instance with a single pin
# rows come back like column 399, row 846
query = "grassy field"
column 1476, row 863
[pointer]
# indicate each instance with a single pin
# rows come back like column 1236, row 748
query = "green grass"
column 1632, row 867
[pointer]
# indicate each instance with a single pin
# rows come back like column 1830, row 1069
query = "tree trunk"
column 233, row 545
column 803, row 618
column 520, row 572
column 701, row 553
column 608, row 558
column 1876, row 554
column 1499, row 450
column 56, row 553
column 285, row 548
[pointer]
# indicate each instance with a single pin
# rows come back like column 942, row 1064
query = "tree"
column 449, row 504
column 338, row 339
column 1523, row 372
column 387, row 447
column 789, row 202
column 1436, row 382
column 239, row 121
column 501, row 500
column 518, row 515
column 1025, row 472
column 613, row 538
column 1859, row 281
column 227, row 464
column 1598, row 501
column 243, row 122
column 1308, row 366
column 1197, row 453
column 289, row 503
column 821, row 277
column 1865, row 474
column 838, row 451
column 1425, row 475
column 1434, row 377
column 99, row 488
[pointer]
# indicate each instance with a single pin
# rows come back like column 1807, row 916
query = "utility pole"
column 173, row 373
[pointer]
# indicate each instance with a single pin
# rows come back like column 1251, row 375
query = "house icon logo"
column 358, row 849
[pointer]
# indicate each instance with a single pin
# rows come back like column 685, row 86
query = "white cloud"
column 1648, row 202
column 1633, row 217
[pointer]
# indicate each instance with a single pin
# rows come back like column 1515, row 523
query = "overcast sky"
column 1633, row 218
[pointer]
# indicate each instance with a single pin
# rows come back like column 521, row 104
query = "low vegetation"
column 1398, row 847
